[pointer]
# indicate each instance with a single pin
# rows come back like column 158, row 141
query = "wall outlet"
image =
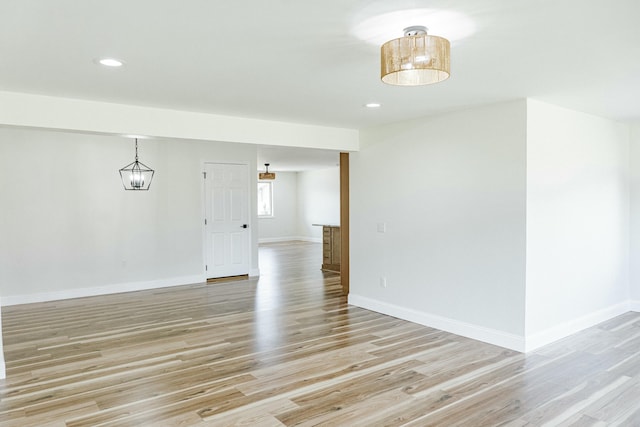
column 383, row 282
column 382, row 227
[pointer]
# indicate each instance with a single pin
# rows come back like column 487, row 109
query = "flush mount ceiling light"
column 415, row 59
column 136, row 175
column 266, row 174
column 372, row 105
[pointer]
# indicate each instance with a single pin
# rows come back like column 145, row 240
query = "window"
column 265, row 199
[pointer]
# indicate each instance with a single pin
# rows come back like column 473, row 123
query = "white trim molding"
column 277, row 239
column 480, row 333
column 101, row 290
column 493, row 336
column 290, row 239
column 563, row 330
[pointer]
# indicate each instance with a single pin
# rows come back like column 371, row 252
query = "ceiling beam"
column 75, row 115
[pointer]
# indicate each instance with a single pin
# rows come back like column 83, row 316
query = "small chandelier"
column 415, row 59
column 136, row 175
column 266, row 174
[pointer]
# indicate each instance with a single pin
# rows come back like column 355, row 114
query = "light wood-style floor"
column 288, row 350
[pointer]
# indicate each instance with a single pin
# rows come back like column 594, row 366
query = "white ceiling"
column 300, row 61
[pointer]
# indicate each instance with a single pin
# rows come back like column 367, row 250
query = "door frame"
column 250, row 209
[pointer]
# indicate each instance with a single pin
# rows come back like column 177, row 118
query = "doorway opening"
column 308, row 201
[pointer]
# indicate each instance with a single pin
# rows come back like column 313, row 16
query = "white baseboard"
column 563, row 330
column 491, row 336
column 310, row 239
column 276, row 239
column 290, row 239
column 100, row 290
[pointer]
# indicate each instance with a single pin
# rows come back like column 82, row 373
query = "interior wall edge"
column 480, row 333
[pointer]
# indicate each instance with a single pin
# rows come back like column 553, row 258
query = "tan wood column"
column 344, row 222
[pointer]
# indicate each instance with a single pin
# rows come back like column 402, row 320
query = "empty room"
column 337, row 213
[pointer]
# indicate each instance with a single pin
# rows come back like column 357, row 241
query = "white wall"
column 635, row 216
column 283, row 225
column 318, row 201
column 577, row 221
column 68, row 228
column 451, row 191
column 302, row 199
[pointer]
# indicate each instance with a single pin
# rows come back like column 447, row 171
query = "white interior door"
column 226, row 220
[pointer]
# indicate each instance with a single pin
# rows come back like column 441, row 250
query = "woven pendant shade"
column 416, row 59
column 266, row 174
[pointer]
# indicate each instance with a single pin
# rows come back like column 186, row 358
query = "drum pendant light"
column 415, row 59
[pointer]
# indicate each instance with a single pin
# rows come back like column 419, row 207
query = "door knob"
column 244, row 226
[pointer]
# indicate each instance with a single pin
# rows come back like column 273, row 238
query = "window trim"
column 270, row 184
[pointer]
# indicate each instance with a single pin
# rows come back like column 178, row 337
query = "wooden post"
column 344, row 222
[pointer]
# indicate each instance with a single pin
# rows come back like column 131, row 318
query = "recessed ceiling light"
column 110, row 62
column 372, row 105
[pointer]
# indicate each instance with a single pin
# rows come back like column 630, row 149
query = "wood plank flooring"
column 287, row 350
